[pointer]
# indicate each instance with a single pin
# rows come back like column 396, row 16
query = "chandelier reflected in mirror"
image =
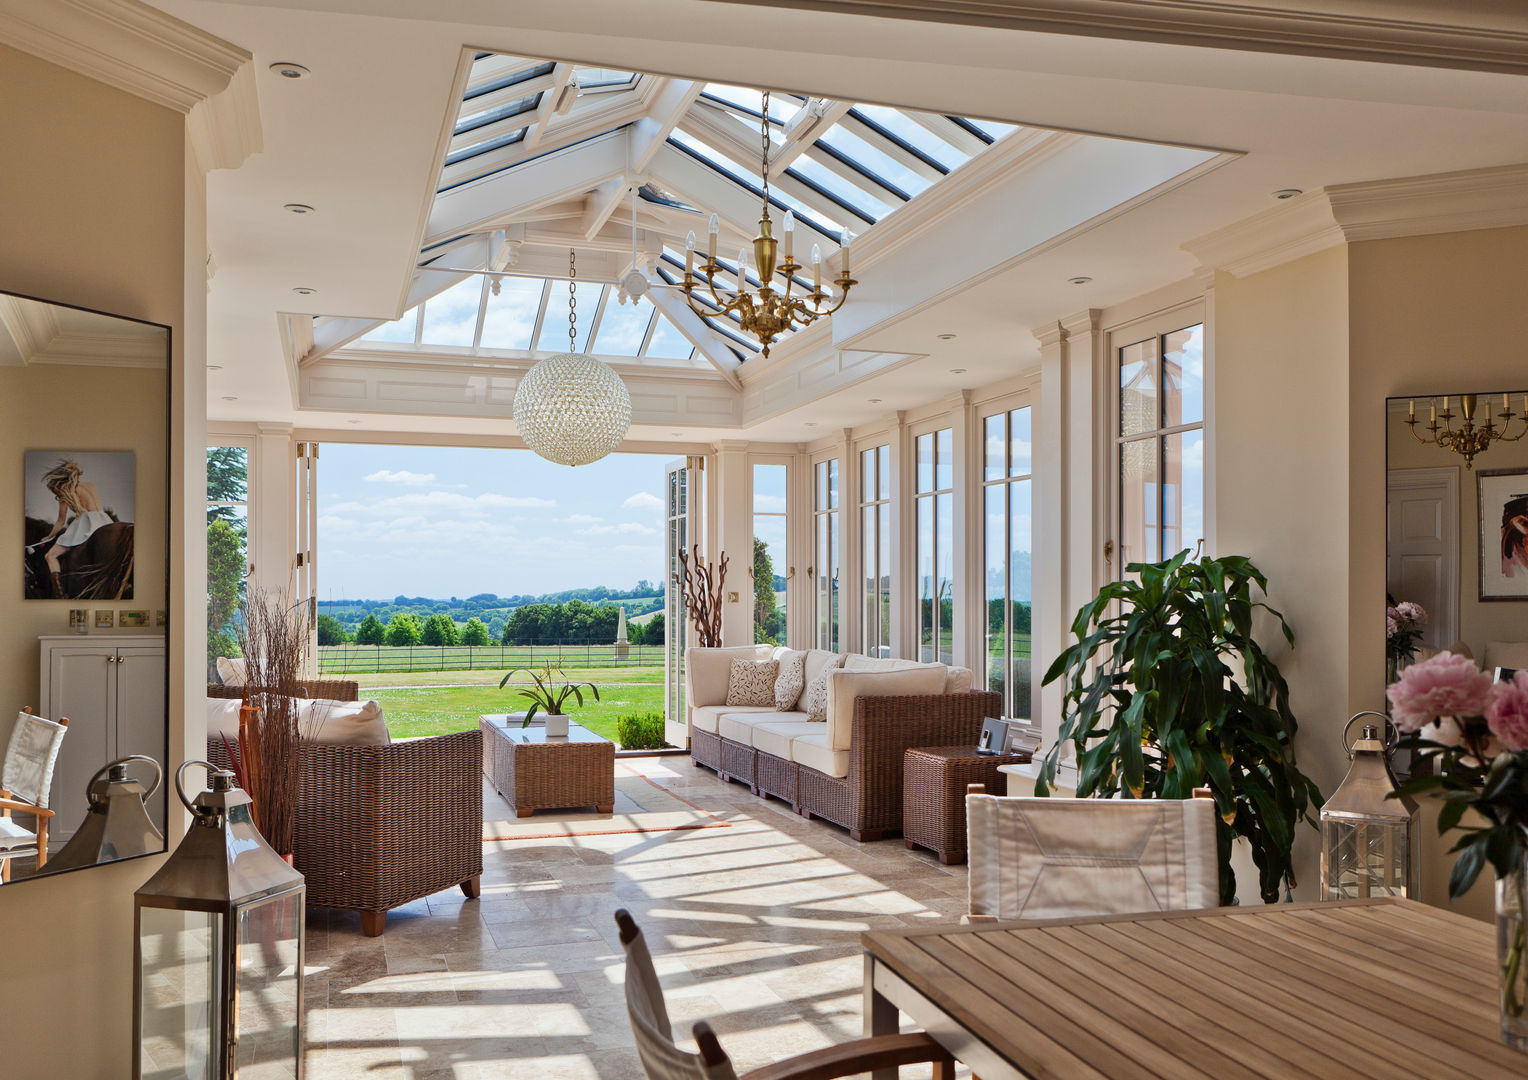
column 1471, row 437
column 765, row 312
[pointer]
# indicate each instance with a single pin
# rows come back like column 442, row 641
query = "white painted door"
column 1422, row 549
column 140, row 713
column 82, row 683
column 680, row 534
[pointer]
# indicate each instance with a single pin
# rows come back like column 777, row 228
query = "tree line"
column 575, row 621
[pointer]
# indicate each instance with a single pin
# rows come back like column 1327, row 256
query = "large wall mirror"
column 1457, row 528
column 84, row 478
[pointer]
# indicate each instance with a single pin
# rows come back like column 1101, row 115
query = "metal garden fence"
column 375, row 659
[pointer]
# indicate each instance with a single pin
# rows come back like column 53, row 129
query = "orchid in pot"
column 1473, row 733
column 551, row 692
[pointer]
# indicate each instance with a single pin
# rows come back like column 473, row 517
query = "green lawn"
column 597, row 675
column 439, row 710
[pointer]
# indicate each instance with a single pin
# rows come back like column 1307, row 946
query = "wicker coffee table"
column 534, row 771
column 934, row 780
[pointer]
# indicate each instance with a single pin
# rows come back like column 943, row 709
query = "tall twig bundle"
column 274, row 641
column 700, row 586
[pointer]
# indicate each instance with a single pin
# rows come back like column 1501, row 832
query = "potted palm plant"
column 1155, row 709
column 551, row 691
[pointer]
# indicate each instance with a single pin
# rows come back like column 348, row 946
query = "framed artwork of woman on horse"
column 79, row 524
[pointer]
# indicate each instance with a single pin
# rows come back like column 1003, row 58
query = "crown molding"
column 1494, row 198
column 141, row 50
column 1476, row 35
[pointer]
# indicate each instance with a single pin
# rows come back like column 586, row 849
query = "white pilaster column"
column 734, row 535
column 1050, row 620
column 965, row 542
column 273, row 541
column 851, row 583
column 904, row 575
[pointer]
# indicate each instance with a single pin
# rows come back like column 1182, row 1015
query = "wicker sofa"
column 848, row 769
column 381, row 826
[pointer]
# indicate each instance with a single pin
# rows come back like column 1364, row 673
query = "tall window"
column 875, row 549
column 1161, row 445
column 677, row 539
column 825, row 529
column 1007, row 546
column 936, row 545
column 227, row 546
column 769, row 554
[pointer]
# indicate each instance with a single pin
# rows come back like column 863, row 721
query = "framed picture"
column 134, row 618
column 79, row 510
column 1503, row 534
column 104, row 618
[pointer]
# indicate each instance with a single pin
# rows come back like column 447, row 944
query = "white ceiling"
column 360, row 141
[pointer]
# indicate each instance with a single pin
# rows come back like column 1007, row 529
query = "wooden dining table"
column 1381, row 989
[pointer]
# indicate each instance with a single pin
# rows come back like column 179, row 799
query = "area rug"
column 641, row 806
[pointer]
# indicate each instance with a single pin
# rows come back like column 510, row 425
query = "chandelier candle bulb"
column 844, row 244
column 790, row 240
column 689, row 253
column 1412, row 405
column 713, row 228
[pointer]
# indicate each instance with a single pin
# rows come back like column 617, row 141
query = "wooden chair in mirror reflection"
column 26, row 776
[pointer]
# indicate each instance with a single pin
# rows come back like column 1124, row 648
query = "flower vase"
column 1512, row 955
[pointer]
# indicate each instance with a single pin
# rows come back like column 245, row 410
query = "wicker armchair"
column 380, row 826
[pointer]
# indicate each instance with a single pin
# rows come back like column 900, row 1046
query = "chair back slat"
column 1060, row 858
column 31, row 754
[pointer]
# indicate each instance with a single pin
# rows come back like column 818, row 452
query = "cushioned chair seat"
column 774, row 737
column 706, row 717
column 14, row 835
column 738, row 726
column 813, row 752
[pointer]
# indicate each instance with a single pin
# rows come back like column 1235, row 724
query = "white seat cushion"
column 13, row 835
column 774, row 737
column 738, row 726
column 812, row 751
column 706, row 717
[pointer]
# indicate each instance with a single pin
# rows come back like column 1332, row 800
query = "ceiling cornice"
column 1476, row 35
column 1374, row 210
column 134, row 47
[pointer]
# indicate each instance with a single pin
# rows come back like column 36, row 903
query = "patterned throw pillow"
column 751, row 682
column 790, row 681
column 815, row 701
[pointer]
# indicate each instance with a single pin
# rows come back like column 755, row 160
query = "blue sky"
column 432, row 521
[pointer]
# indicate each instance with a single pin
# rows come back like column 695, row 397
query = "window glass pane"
column 991, row 128
column 227, row 547
column 554, row 325
column 1138, row 388
column 1182, row 492
column 451, row 317
column 926, row 462
column 913, row 133
column 591, row 77
column 996, row 547
column 867, row 475
column 872, row 576
column 820, row 488
column 750, row 101
column 769, row 570
column 865, row 199
column 668, row 343
column 1019, row 442
column 400, row 330
column 1138, row 502
column 944, row 472
column 1021, row 597
column 925, row 564
column 1183, row 377
column 883, row 555
column 874, row 160
column 622, row 327
column 833, row 482
column 510, row 318
column 994, row 446
column 944, row 545
column 883, row 472
column 769, row 489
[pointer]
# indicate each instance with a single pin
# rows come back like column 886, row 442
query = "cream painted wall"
column 93, row 211
column 66, row 407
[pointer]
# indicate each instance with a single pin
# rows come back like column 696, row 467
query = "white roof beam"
column 560, row 76
column 669, row 104
column 814, row 118
column 624, row 109
column 890, row 149
column 949, row 131
column 672, row 305
column 603, row 202
column 705, row 188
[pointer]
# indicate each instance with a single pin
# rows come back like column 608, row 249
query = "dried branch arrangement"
column 274, row 641
column 700, row 586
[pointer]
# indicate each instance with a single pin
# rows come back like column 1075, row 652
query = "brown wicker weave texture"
column 934, row 780
column 322, row 689
column 551, row 775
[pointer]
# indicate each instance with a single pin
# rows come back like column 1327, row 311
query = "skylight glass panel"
column 623, row 327
column 914, row 134
column 873, row 160
column 722, row 164
column 450, row 318
column 751, row 102
column 598, row 78
column 991, row 128
column 509, row 320
column 864, row 204
column 483, row 147
column 400, row 331
column 668, row 343
column 515, row 107
column 554, row 327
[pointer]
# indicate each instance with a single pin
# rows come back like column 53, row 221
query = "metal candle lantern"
column 219, row 950
column 1370, row 842
column 117, row 825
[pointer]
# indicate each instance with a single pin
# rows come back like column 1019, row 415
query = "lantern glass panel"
column 1364, row 859
column 266, row 988
column 180, row 969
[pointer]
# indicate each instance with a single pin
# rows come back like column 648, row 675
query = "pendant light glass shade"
column 572, row 409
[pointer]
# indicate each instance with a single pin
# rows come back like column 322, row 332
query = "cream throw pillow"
column 233, row 672
column 344, row 723
column 815, row 701
column 223, row 720
column 752, row 682
column 790, row 681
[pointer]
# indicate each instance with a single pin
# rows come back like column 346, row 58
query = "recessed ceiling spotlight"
column 303, row 290
column 811, row 423
column 229, row 397
column 1079, row 280
column 957, row 371
column 352, row 421
column 675, row 434
column 1287, row 193
column 214, row 367
column 946, row 337
column 298, row 208
column 874, row 400
column 288, row 70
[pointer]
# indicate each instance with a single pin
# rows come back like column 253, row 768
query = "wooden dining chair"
column 1062, row 858
column 26, row 777
column 662, row 1059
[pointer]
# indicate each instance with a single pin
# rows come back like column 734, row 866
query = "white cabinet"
column 112, row 689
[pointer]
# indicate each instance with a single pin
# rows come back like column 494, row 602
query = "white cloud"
column 437, row 502
column 625, row 528
column 402, row 476
column 643, row 500
column 581, row 519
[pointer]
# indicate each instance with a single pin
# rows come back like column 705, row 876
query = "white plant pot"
column 556, row 725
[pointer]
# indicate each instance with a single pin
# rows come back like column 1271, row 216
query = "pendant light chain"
column 572, row 299
column 764, row 138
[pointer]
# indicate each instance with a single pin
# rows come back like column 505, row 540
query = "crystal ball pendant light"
column 571, row 408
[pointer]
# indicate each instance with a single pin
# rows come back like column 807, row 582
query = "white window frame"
column 826, row 513
column 1004, row 406
column 932, row 427
column 884, row 512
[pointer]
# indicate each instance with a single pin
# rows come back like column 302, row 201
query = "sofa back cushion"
column 957, row 680
column 845, row 686
column 814, row 700
column 818, row 661
column 342, row 723
column 233, row 672
column 706, row 671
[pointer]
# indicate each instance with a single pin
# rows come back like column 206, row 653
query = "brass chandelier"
column 764, row 312
column 1469, row 439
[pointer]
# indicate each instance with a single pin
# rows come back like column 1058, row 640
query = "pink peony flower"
column 1444, row 685
column 1391, row 626
column 1507, row 712
column 1415, row 614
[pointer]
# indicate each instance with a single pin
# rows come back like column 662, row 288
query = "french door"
column 681, row 517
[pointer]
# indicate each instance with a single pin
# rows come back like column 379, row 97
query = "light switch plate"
column 732, row 598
